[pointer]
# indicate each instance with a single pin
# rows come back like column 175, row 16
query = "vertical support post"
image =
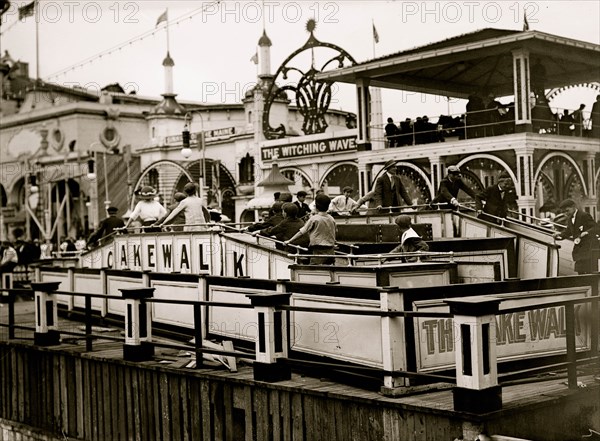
column 521, row 90
column 525, row 184
column 271, row 343
column 198, row 335
column 7, row 296
column 363, row 141
column 393, row 341
column 46, row 314
column 6, row 282
column 138, row 324
column 571, row 346
column 88, row 323
column 477, row 389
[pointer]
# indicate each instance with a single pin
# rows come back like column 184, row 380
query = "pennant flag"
column 254, row 58
column 163, row 17
column 375, row 34
column 525, row 22
column 27, row 10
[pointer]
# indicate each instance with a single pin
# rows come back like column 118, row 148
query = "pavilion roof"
column 477, row 61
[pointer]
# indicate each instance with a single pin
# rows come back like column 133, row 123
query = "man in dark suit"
column 107, row 226
column 497, row 199
column 582, row 229
column 389, row 190
column 303, row 208
column 449, row 188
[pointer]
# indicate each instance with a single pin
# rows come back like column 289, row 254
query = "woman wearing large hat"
column 148, row 209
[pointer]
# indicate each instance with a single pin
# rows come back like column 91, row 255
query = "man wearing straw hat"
column 389, row 190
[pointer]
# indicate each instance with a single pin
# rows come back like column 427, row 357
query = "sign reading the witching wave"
column 322, row 147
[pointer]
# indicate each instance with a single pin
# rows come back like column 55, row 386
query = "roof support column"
column 363, row 141
column 522, row 90
column 364, row 177
column 525, row 184
column 437, row 173
column 589, row 173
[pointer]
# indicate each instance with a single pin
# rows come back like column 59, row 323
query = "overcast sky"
column 213, row 47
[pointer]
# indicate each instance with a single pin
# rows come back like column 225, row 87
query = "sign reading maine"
column 322, row 147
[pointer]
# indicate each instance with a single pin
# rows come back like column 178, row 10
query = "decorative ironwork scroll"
column 311, row 95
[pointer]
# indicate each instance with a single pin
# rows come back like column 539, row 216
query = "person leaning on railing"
column 584, row 231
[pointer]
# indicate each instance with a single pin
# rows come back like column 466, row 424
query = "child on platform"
column 410, row 241
column 321, row 229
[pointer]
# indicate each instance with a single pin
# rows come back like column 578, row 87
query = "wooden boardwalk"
column 98, row 396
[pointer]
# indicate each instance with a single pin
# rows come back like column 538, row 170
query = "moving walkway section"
column 202, row 252
column 534, row 252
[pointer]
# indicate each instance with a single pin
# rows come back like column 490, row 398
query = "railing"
column 489, row 122
column 269, row 359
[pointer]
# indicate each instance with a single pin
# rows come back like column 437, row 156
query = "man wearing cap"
column 106, row 227
column 582, row 229
column 343, row 204
column 389, row 190
column 449, row 188
column 492, row 203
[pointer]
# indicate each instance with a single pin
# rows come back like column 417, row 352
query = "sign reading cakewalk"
column 321, row 147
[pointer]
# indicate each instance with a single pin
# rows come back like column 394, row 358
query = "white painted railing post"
column 393, row 342
column 272, row 338
column 6, row 282
column 477, row 389
column 138, row 324
column 46, row 314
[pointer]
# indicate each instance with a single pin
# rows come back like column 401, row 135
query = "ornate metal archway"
column 312, row 96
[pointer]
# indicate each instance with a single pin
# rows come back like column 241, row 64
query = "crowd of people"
column 486, row 116
column 312, row 226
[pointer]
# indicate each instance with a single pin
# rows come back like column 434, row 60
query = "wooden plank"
column 286, row 415
column 206, row 416
column 56, row 393
column 261, row 408
column 71, row 384
column 100, row 422
column 121, row 398
column 136, row 405
column 64, row 397
column 310, row 419
column 127, row 388
column 216, row 400
column 185, row 407
column 166, row 407
column 228, row 410
column 80, row 426
column 107, row 381
column 155, row 379
column 152, row 412
column 195, row 408
column 249, row 408
column 297, row 418
column 175, row 404
column 274, row 412
column 20, row 397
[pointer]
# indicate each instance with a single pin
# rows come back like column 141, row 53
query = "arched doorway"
column 338, row 177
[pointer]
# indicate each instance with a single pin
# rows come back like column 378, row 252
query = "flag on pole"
column 163, row 17
column 525, row 22
column 375, row 34
column 254, row 58
column 27, row 10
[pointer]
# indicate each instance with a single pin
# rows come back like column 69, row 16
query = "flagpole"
column 373, row 24
column 167, row 30
column 37, row 39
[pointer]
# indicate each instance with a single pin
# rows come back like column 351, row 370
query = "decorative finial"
column 311, row 25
